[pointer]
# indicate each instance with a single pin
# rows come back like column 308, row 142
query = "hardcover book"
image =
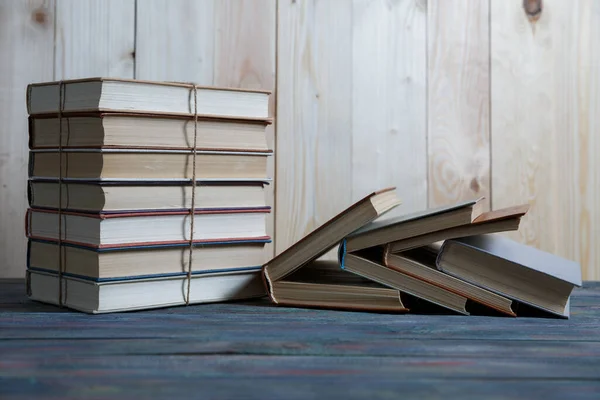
column 317, row 243
column 512, row 269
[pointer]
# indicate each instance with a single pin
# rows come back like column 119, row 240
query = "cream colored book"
column 322, row 284
column 419, row 263
column 128, row 229
column 393, row 279
column 146, row 260
column 328, row 235
column 501, row 220
column 139, row 165
column 512, row 269
column 138, row 96
column 146, row 196
column 384, row 231
column 140, row 294
column 128, row 130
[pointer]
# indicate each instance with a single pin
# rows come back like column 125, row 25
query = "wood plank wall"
column 445, row 99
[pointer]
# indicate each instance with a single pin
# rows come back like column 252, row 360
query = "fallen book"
column 137, row 294
column 502, row 220
column 327, row 236
column 377, row 272
column 321, row 284
column 129, row 95
column 384, row 231
column 419, row 264
column 131, row 229
column 513, row 270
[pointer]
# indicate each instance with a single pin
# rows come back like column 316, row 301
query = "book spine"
column 28, row 223
column 440, row 254
column 30, row 131
column 267, row 284
column 30, row 163
column 386, row 253
column 30, row 199
column 28, row 255
column 28, row 98
column 342, row 253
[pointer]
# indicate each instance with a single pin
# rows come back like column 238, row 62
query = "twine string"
column 193, row 200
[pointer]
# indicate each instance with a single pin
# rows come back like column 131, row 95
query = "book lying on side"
column 129, row 295
column 377, row 272
column 328, row 235
column 512, row 269
column 419, row 263
column 147, row 131
column 115, row 196
column 119, row 263
column 139, row 165
column 129, row 95
column 321, row 284
column 130, row 229
column 389, row 230
column 502, row 220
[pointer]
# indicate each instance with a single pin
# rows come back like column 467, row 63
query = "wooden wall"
column 445, row 99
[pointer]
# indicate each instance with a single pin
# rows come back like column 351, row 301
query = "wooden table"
column 255, row 350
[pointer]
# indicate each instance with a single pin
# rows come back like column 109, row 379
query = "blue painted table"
column 254, row 350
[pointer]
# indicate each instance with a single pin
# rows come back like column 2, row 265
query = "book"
column 369, row 268
column 138, row 165
column 146, row 131
column 118, row 196
column 384, row 231
column 328, row 235
column 138, row 96
column 512, row 269
column 129, row 295
column 153, row 260
column 122, row 208
column 420, row 263
column 321, row 284
column 128, row 229
column 502, row 220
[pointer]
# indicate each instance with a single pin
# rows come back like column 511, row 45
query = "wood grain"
column 224, row 43
column 265, row 352
column 94, row 38
column 175, row 40
column 314, row 115
column 389, row 107
column 545, row 107
column 26, row 48
column 245, row 57
column 458, row 101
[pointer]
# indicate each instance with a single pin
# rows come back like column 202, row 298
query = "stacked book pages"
column 145, row 194
column 452, row 259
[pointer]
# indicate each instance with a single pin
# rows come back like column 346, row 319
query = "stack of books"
column 116, row 168
column 450, row 259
